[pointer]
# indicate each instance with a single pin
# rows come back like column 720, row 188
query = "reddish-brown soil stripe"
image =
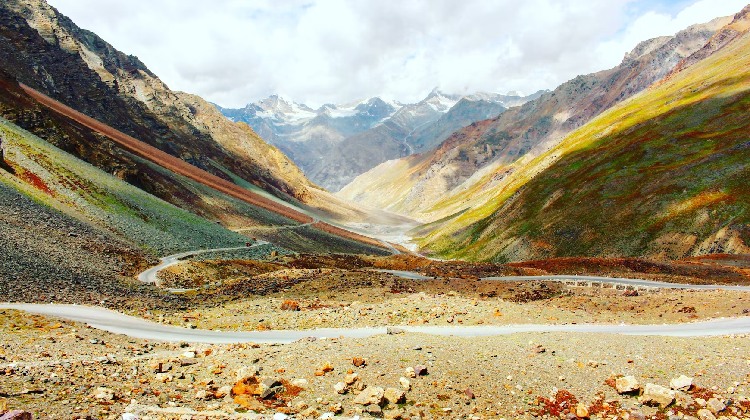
column 335, row 230
column 401, row 248
column 183, row 168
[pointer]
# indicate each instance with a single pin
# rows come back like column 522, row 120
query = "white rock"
column 682, row 383
column 104, row 394
column 409, row 372
column 626, row 384
column 351, row 378
column 164, row 377
column 340, row 388
column 129, row 416
column 245, row 372
column 300, row 382
column 404, row 383
column 715, row 405
column 371, row 395
column 394, row 395
column 280, row 416
column 223, row 391
column 658, row 394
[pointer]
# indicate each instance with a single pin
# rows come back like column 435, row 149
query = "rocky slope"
column 483, row 154
column 335, row 143
column 662, row 174
column 45, row 50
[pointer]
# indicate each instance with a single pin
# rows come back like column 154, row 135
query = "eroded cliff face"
column 48, row 52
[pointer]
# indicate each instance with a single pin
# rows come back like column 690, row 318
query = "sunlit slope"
column 454, row 176
column 59, row 180
column 662, row 174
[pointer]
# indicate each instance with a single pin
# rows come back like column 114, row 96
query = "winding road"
column 150, row 275
column 119, row 323
column 587, row 279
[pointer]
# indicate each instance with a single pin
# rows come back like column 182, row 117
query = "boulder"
column 370, row 395
column 626, row 384
column 340, row 388
column 715, row 405
column 683, row 383
column 271, row 392
column 394, row 395
column 269, row 383
column 374, row 409
column 351, row 378
column 657, row 394
column 420, row 370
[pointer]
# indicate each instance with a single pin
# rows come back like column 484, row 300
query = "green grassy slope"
column 63, row 181
column 663, row 174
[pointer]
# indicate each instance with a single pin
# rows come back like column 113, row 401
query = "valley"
column 578, row 253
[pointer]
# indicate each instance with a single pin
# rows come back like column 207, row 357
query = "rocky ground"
column 55, row 368
column 346, row 291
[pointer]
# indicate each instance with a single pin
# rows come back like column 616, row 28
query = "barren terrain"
column 56, row 368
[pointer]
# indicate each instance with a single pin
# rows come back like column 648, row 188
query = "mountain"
column 43, row 51
column 452, row 177
column 309, row 136
column 335, row 143
column 663, row 174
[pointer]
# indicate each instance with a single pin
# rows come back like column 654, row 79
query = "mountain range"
column 644, row 159
column 335, row 143
column 620, row 162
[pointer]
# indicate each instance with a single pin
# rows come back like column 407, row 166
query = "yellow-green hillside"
column 662, row 174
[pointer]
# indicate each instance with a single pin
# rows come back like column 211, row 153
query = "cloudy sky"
column 317, row 51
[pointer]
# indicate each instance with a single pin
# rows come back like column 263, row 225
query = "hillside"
column 46, row 51
column 663, row 174
column 94, row 230
column 451, row 178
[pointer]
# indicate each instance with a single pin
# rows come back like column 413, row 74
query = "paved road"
column 594, row 279
column 149, row 276
column 118, row 323
column 623, row 281
column 412, row 275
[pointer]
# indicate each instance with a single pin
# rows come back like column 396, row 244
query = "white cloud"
column 233, row 51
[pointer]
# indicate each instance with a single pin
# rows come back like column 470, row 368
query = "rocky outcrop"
column 739, row 25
